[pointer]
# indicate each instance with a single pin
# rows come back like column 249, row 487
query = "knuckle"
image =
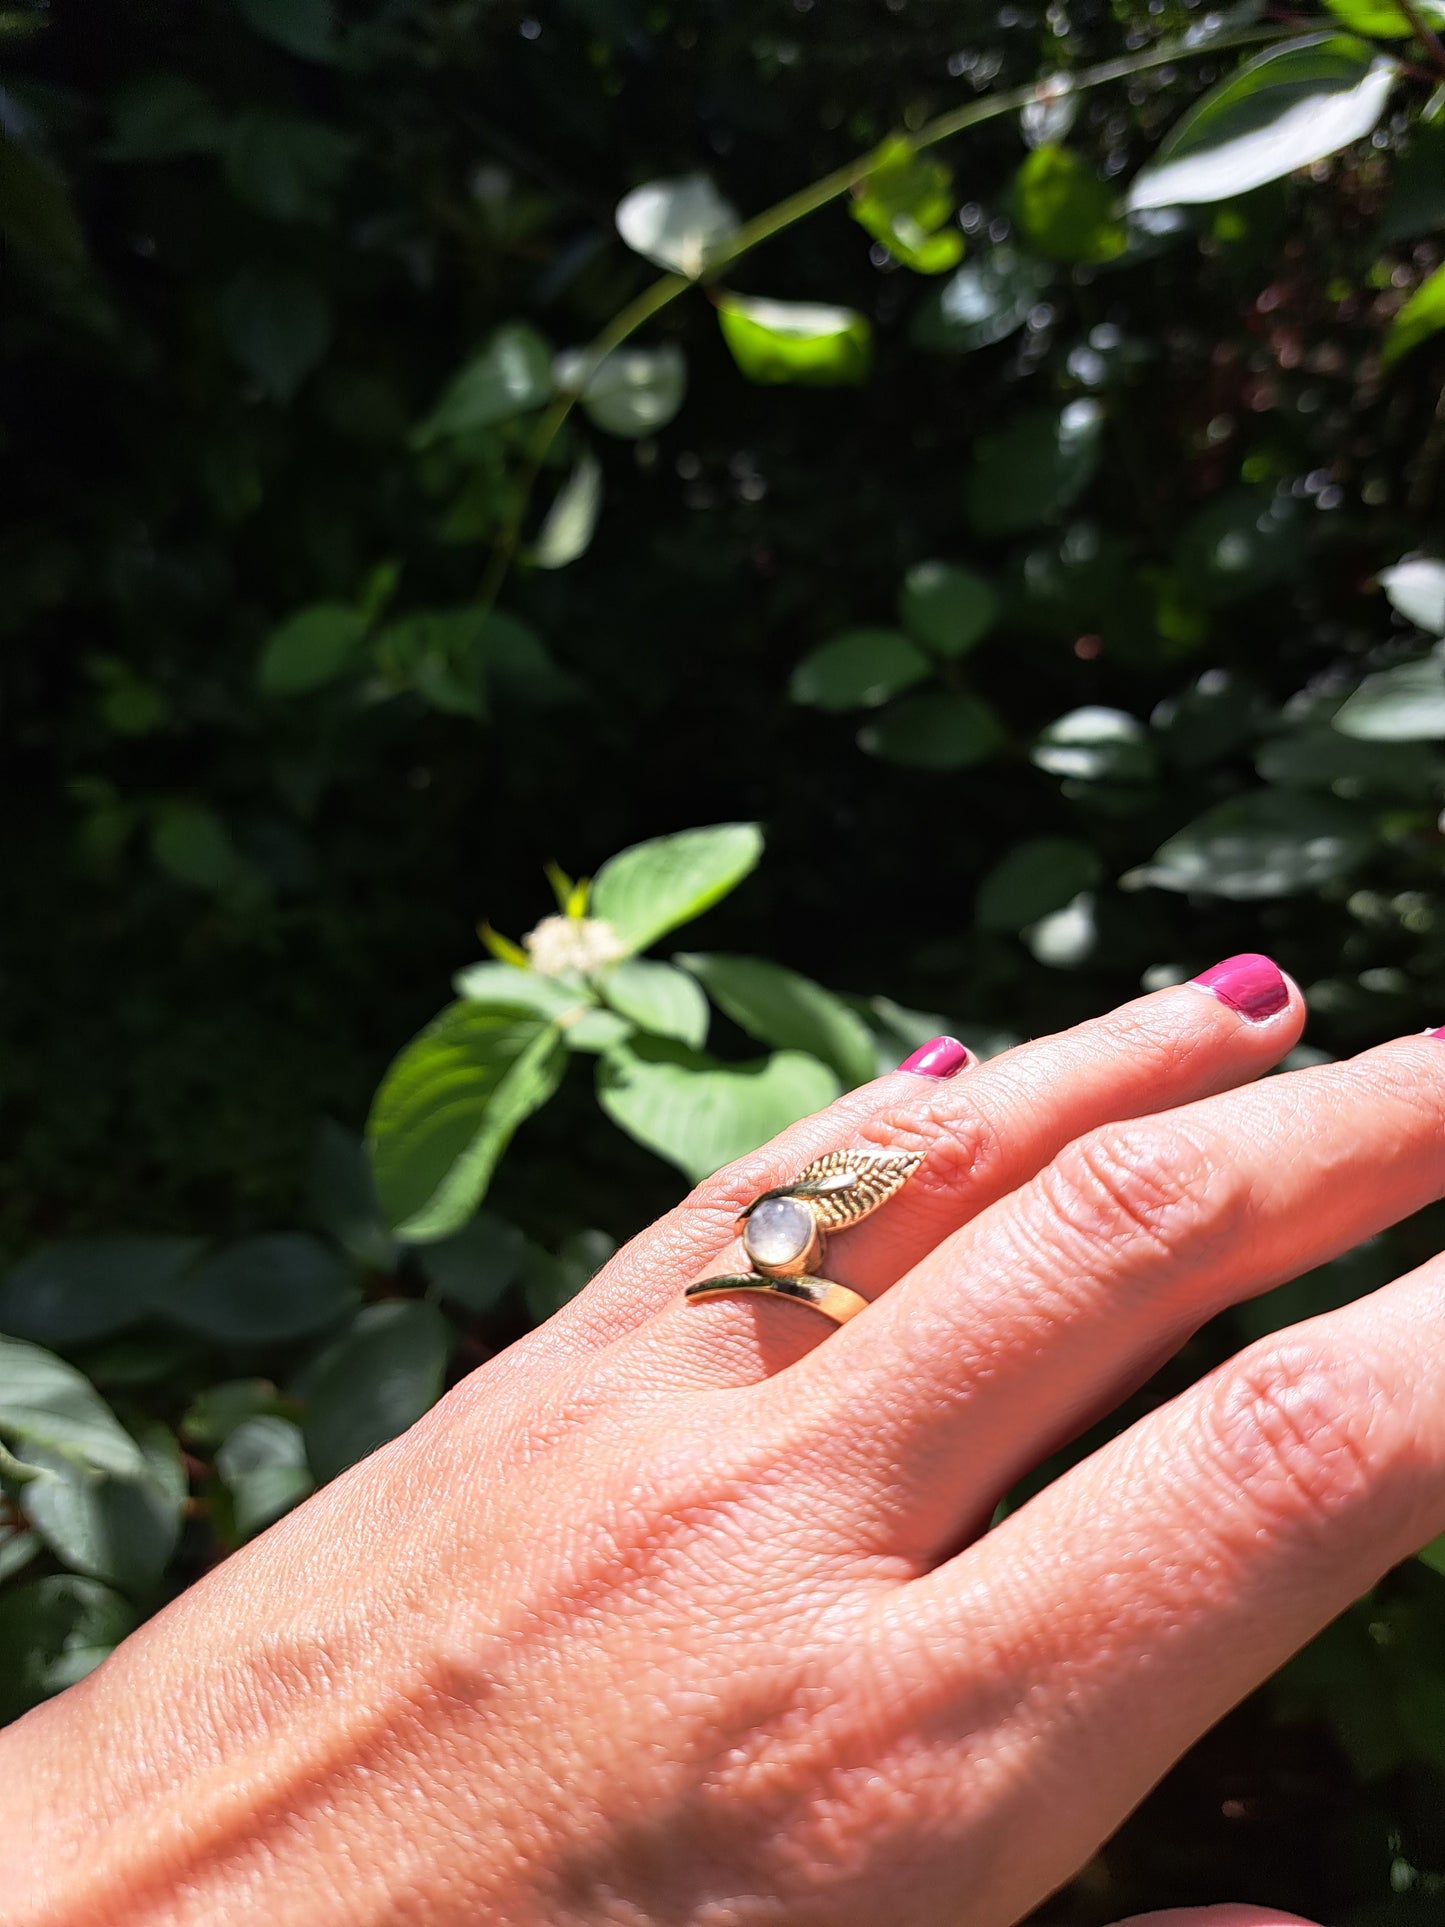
column 1139, row 1189
column 958, row 1143
column 1300, row 1430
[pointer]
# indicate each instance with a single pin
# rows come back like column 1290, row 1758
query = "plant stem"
column 787, row 213
column 1424, row 33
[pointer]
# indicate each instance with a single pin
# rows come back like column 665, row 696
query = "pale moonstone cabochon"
column 778, row 1231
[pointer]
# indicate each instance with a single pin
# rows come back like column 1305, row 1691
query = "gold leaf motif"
column 846, row 1186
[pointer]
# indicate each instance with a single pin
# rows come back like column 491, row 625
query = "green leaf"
column 278, row 325
column 655, row 887
column 796, row 341
column 511, row 376
column 37, row 215
column 905, row 203
column 512, row 988
column 632, row 392
column 1064, row 210
column 162, row 116
column 379, row 1377
column 1244, row 541
column 1423, row 315
column 121, row 1529
column 1322, row 758
column 1401, row 705
column 858, row 670
column 940, row 730
column 46, row 1405
column 788, row 1011
column 1035, row 879
column 658, row 998
column 262, row 1464
column 699, row 1114
column 1033, row 469
column 343, row 1202
column 1416, row 590
column 947, row 608
column 263, row 1291
column 286, row 167
column 1270, row 843
column 986, row 301
column 310, row 649
column 1211, row 720
column 447, row 1109
column 1096, row 745
column 191, row 843
column 1067, row 937
column 477, row 1264
column 1280, row 111
column 567, row 529
column 1417, row 192
column 302, row 27
column 52, row 1633
column 89, row 1288
column 213, row 1415
column 1381, row 19
column 679, row 224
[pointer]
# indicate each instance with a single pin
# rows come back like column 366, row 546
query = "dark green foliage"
column 1039, row 547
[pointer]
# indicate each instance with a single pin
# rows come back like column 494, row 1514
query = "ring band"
column 836, row 1302
column 785, row 1230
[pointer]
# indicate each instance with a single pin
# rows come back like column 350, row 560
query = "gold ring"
column 785, row 1230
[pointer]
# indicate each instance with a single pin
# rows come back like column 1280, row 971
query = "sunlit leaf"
column 1423, row 315
column 796, row 341
column 448, row 1107
column 52, row 1633
column 654, row 887
column 262, row 1464
column 567, row 528
column 905, row 203
column 1280, row 111
column 1064, row 210
column 858, row 670
column 789, row 1011
column 47, row 1405
column 119, row 1527
column 511, row 376
column 699, row 1114
column 1416, row 590
column 1401, row 705
column 677, row 223
column 1382, row 19
column 1096, row 745
column 659, row 998
column 631, row 392
column 1270, row 843
column 986, row 301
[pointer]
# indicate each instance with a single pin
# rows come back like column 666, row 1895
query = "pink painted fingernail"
column 1436, row 1033
column 1249, row 983
column 939, row 1057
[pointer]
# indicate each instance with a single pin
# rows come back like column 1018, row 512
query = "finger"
column 1044, row 1311
column 1094, row 1634
column 980, row 1135
column 1216, row 1917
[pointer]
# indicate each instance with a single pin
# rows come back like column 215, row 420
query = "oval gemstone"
column 778, row 1232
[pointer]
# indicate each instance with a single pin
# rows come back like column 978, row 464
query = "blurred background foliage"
column 1040, row 552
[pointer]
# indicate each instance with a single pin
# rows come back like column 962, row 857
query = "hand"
column 687, row 1613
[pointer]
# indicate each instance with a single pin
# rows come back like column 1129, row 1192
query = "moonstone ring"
column 784, row 1231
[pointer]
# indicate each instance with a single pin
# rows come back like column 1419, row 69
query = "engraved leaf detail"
column 871, row 1179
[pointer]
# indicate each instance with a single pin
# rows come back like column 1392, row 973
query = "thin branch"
column 1424, row 33
column 787, row 213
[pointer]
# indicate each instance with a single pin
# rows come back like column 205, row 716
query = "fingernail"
column 939, row 1057
column 1249, row 983
column 1436, row 1033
